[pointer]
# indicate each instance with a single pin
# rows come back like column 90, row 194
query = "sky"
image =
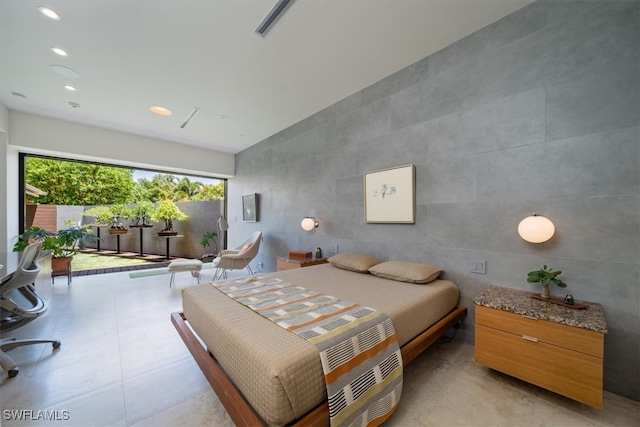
column 138, row 174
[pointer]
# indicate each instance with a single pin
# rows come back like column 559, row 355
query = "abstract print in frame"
column 389, row 195
column 250, row 207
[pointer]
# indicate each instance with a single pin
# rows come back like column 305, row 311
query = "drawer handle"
column 528, row 338
column 529, row 317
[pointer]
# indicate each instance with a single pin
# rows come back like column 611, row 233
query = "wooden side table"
column 291, row 263
column 546, row 344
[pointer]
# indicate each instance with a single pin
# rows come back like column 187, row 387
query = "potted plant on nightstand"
column 168, row 212
column 545, row 276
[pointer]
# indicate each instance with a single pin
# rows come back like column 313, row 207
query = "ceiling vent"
column 195, row 111
column 272, row 16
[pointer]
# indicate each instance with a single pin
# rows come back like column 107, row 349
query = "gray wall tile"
column 623, row 366
column 597, row 228
column 581, row 166
column 599, row 35
column 606, row 98
column 450, row 180
column 512, row 121
column 512, row 174
column 437, row 95
column 535, row 113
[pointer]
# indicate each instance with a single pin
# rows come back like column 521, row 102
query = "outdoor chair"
column 192, row 265
column 239, row 258
column 19, row 305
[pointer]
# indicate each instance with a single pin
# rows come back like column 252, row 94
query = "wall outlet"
column 478, row 267
column 259, row 267
column 335, row 248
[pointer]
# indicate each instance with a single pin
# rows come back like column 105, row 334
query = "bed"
column 266, row 375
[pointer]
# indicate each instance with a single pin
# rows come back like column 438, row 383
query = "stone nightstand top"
column 521, row 302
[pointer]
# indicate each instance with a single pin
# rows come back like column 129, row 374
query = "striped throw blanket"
column 358, row 348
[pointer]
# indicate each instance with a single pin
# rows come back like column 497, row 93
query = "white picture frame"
column 389, row 195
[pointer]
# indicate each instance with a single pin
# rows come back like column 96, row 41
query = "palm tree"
column 186, row 189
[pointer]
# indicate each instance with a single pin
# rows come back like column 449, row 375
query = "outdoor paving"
column 158, row 261
column 120, row 269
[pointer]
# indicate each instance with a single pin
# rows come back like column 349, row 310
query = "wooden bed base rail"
column 240, row 409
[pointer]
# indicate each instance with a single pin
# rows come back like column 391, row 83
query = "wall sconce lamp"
column 536, row 229
column 309, row 223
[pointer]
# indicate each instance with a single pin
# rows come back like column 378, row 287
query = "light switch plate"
column 478, row 267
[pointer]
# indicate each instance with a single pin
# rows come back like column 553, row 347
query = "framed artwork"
column 250, row 207
column 390, row 195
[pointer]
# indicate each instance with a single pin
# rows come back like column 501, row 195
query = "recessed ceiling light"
column 74, row 104
column 70, row 88
column 49, row 13
column 59, row 51
column 223, row 117
column 161, row 111
column 19, row 95
column 65, row 71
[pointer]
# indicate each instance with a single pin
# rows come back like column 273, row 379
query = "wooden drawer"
column 578, row 339
column 288, row 264
column 285, row 265
column 573, row 374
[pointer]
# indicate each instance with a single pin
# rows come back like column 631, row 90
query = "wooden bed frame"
column 237, row 405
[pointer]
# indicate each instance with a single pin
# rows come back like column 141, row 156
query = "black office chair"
column 19, row 305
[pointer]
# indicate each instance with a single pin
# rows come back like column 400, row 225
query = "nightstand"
column 546, row 344
column 291, row 263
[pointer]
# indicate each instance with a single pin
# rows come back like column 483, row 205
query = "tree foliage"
column 160, row 187
column 77, row 183
column 170, row 187
column 187, row 189
column 168, row 211
column 83, row 184
column 210, row 192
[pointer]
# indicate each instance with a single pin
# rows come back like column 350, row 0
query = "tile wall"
column 538, row 112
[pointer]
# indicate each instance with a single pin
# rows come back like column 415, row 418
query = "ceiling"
column 131, row 55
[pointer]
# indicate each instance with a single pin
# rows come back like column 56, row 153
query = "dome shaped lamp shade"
column 536, row 229
column 309, row 223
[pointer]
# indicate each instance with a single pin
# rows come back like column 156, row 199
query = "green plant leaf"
column 544, row 276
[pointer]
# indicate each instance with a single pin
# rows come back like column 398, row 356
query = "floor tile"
column 153, row 392
column 122, row 363
column 202, row 410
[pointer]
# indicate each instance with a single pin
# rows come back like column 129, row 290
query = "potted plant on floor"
column 168, row 212
column 209, row 239
column 62, row 244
